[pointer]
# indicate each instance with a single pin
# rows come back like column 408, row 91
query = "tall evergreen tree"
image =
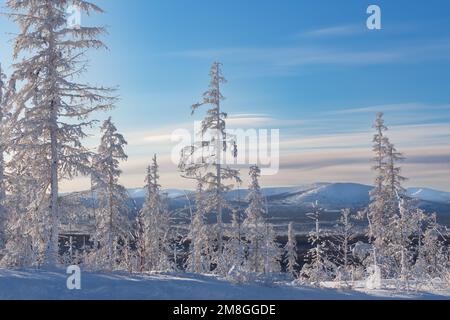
column 200, row 247
column 112, row 215
column 318, row 267
column 377, row 212
column 398, row 216
column 235, row 247
column 206, row 160
column 254, row 224
column 291, row 250
column 154, row 219
column 52, row 109
column 343, row 235
column 271, row 251
column 26, row 228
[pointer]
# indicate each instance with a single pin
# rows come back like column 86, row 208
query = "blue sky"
column 310, row 68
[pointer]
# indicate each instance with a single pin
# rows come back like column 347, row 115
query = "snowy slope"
column 429, row 195
column 51, row 285
column 337, row 195
column 171, row 193
column 273, row 192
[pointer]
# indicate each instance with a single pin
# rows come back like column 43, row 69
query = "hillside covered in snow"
column 51, row 285
column 292, row 203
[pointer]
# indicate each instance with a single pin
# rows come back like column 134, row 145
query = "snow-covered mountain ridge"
column 288, row 204
column 347, row 194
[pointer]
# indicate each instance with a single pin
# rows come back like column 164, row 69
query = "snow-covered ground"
column 51, row 285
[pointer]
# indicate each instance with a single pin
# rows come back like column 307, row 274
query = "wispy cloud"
column 424, row 166
column 392, row 107
column 308, row 156
column 404, row 136
column 296, row 56
column 288, row 60
column 333, row 31
column 355, row 29
column 260, row 121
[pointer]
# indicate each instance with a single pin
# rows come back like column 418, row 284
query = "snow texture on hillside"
column 334, row 195
column 51, row 285
column 429, row 195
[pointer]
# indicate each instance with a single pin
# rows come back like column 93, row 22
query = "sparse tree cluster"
column 48, row 113
column 405, row 245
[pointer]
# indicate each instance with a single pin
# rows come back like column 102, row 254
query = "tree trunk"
column 111, row 224
column 52, row 254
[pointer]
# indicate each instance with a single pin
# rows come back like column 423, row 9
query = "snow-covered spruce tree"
column 26, row 227
column 386, row 208
column 200, row 248
column 433, row 260
column 154, row 239
column 291, row 251
column 403, row 231
column 254, row 223
column 205, row 160
column 263, row 252
column 235, row 249
column 318, row 267
column 377, row 211
column 272, row 252
column 399, row 212
column 343, row 236
column 112, row 225
column 420, row 222
column 51, row 108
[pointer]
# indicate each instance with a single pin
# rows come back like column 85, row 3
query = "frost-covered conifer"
column 318, row 267
column 112, row 224
column 433, row 260
column 205, row 160
column 52, row 109
column 403, row 229
column 271, row 251
column 200, row 247
column 291, row 250
column 254, row 224
column 154, row 239
column 235, row 247
column 377, row 212
column 385, row 210
column 25, row 246
column 398, row 216
column 344, row 234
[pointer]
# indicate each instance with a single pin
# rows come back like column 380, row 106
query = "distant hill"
column 285, row 204
column 292, row 203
